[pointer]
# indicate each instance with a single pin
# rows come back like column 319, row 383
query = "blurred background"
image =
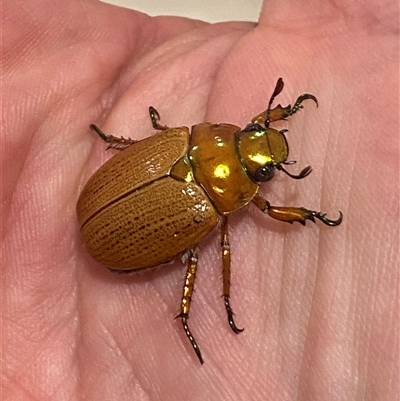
column 206, row 10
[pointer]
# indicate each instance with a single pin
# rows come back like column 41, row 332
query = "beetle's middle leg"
column 187, row 298
column 292, row 214
column 113, row 141
column 155, row 118
column 226, row 272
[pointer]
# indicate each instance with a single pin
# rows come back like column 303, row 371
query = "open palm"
column 318, row 304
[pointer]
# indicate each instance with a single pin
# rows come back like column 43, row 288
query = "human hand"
column 317, row 303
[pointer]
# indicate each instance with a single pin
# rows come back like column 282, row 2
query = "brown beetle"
column 160, row 196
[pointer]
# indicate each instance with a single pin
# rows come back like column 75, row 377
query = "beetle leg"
column 113, row 141
column 279, row 112
column 226, row 272
column 298, row 104
column 292, row 214
column 187, row 299
column 155, row 118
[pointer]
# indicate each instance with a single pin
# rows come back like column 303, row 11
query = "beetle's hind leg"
column 113, row 141
column 226, row 273
column 292, row 214
column 155, row 118
column 187, row 298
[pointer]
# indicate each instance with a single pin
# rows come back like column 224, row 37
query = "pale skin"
column 319, row 305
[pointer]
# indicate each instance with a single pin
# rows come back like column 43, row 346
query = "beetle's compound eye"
column 264, row 173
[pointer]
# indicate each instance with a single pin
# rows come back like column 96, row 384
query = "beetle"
column 161, row 195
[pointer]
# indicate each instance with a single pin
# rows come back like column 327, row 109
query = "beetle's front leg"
column 279, row 112
column 113, row 141
column 226, row 272
column 292, row 214
column 187, row 298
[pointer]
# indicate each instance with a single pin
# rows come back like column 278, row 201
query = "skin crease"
column 319, row 304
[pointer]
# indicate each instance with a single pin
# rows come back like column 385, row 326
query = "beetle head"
column 261, row 151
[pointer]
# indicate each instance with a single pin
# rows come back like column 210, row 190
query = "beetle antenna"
column 278, row 89
column 303, row 173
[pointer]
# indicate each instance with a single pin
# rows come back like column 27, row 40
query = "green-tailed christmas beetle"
column 160, row 196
